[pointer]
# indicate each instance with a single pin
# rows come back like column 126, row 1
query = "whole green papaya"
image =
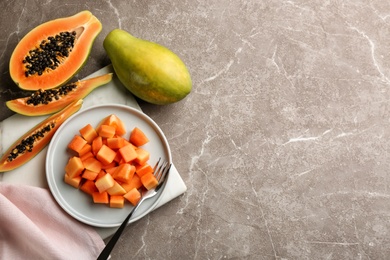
column 148, row 70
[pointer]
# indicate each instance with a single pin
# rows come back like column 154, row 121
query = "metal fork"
column 160, row 171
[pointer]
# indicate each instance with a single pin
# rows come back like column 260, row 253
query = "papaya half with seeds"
column 53, row 52
column 43, row 102
column 30, row 144
column 150, row 71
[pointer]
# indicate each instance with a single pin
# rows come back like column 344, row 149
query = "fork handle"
column 111, row 244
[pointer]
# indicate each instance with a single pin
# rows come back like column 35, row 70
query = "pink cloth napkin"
column 33, row 226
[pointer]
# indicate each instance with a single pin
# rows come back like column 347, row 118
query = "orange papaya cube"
column 117, row 201
column 74, row 167
column 135, row 182
column 149, row 181
column 75, row 181
column 77, row 143
column 100, row 197
column 100, row 174
column 111, row 170
column 133, row 196
column 115, row 142
column 86, row 156
column 124, row 172
column 105, row 182
column 106, row 155
column 89, row 175
column 137, row 137
column 88, row 133
column 143, row 169
column 122, row 161
column 110, row 165
column 106, row 131
column 88, row 187
column 86, row 148
column 128, row 143
column 114, row 121
column 97, row 144
column 118, row 157
column 128, row 153
column 93, row 164
column 142, row 156
column 117, row 189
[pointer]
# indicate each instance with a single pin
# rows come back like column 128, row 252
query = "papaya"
column 53, row 52
column 44, row 102
column 149, row 70
column 30, row 144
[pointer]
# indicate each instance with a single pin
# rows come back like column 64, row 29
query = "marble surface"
column 283, row 142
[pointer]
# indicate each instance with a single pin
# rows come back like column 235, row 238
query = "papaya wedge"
column 44, row 102
column 31, row 143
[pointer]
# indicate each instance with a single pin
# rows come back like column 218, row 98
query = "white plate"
column 79, row 204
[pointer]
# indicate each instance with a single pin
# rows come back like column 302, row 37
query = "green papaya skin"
column 150, row 71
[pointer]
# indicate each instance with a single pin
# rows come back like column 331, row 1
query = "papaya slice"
column 30, row 144
column 44, row 102
column 50, row 54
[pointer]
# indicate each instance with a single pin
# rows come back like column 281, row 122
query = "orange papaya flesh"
column 115, row 121
column 44, row 102
column 30, row 144
column 73, row 35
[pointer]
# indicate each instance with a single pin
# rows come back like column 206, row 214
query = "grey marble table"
column 283, row 142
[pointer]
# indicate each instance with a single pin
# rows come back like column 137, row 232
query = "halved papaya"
column 44, row 102
column 30, row 144
column 50, row 54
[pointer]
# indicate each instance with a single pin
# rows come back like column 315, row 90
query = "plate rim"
column 50, row 177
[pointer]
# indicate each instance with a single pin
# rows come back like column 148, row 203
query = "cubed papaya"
column 75, row 181
column 138, row 137
column 133, row 196
column 124, row 172
column 89, row 175
column 93, row 164
column 86, row 156
column 100, row 197
column 105, row 182
column 74, row 167
column 106, row 131
column 135, row 182
column 117, row 201
column 86, row 148
column 116, row 122
column 143, row 169
column 105, row 155
column 149, row 181
column 128, row 153
column 100, row 174
column 142, row 156
column 97, row 144
column 88, row 133
column 108, row 166
column 117, row 189
column 88, row 187
column 77, row 143
column 115, row 142
column 111, row 170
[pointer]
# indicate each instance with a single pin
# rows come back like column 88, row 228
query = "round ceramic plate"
column 79, row 204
